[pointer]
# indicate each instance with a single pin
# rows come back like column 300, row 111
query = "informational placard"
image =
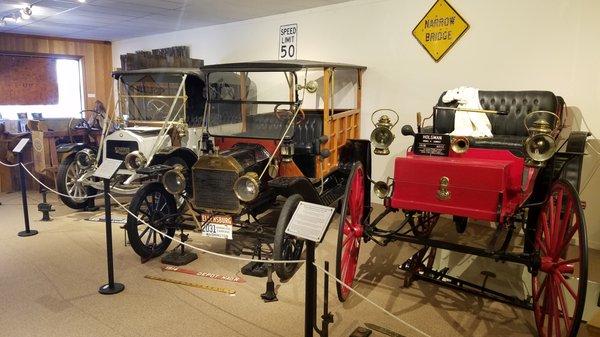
column 108, row 168
column 288, row 42
column 431, row 144
column 440, row 29
column 310, row 221
column 21, row 145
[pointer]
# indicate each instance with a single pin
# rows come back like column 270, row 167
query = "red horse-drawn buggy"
column 524, row 180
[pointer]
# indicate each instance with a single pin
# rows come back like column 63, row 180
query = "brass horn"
column 459, row 144
column 382, row 188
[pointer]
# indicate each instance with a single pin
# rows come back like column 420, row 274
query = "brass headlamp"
column 382, row 136
column 541, row 144
column 134, row 160
column 174, row 180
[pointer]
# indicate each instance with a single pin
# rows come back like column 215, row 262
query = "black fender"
column 571, row 171
column 73, row 147
column 287, row 186
column 357, row 150
column 189, row 156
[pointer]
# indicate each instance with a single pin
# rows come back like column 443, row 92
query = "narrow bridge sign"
column 440, row 29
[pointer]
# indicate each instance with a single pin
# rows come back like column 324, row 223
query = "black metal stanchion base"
column 256, row 269
column 30, row 232
column 269, row 295
column 177, row 258
column 108, row 290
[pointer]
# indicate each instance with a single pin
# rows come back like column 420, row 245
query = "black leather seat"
column 508, row 129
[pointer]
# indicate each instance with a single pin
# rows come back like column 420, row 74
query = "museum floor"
column 50, row 281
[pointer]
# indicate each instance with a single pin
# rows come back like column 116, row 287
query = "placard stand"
column 310, row 222
column 106, row 171
column 19, row 151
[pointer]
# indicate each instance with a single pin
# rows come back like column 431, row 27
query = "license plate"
column 217, row 226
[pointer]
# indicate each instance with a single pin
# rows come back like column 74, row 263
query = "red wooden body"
column 483, row 184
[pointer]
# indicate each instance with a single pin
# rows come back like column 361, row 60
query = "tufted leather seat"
column 509, row 130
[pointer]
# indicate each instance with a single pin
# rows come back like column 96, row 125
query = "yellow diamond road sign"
column 439, row 29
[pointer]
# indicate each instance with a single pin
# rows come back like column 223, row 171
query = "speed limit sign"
column 288, row 42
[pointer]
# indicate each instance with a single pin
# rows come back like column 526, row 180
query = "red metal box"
column 481, row 184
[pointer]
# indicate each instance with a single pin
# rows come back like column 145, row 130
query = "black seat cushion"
column 509, row 130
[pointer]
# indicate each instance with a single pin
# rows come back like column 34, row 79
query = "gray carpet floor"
column 50, row 282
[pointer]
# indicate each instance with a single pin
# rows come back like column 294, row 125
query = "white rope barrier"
column 8, row 165
column 58, row 193
column 369, row 301
column 200, row 249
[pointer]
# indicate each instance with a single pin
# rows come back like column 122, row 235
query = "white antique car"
column 160, row 112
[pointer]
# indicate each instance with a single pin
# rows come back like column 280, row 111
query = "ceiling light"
column 26, row 12
column 81, row 1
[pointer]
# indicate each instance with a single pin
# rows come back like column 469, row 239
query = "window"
column 67, row 79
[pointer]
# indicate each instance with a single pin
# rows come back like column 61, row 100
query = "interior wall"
column 96, row 58
column 511, row 45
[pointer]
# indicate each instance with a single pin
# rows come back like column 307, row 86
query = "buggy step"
column 333, row 194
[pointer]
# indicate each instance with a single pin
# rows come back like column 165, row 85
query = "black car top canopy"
column 170, row 71
column 276, row 65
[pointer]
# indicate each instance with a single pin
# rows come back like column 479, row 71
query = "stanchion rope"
column 58, row 193
column 8, row 165
column 198, row 248
column 371, row 302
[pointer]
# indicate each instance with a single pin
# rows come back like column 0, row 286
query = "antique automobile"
column 524, row 180
column 159, row 119
column 275, row 138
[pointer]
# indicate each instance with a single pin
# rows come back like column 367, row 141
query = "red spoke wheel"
column 559, row 287
column 351, row 230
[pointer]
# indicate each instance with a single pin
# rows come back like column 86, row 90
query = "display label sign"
column 108, row 168
column 440, row 29
column 21, row 145
column 310, row 221
column 429, row 144
column 288, row 42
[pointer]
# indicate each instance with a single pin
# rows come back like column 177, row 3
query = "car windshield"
column 251, row 104
column 149, row 97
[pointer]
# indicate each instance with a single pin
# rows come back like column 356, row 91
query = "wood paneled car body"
column 276, row 132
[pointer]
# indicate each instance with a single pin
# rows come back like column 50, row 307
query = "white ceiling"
column 121, row 19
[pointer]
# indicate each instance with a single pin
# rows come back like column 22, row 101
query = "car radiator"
column 213, row 190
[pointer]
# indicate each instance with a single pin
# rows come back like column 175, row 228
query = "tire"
column 67, row 172
column 559, row 286
column 287, row 247
column 151, row 203
column 350, row 232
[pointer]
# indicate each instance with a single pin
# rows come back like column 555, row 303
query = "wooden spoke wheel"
column 351, row 230
column 67, row 182
column 154, row 205
column 559, row 287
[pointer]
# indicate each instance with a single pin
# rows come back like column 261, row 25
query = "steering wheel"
column 156, row 107
column 287, row 113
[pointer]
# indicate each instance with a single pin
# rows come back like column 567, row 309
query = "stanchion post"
column 111, row 287
column 106, row 171
column 19, row 151
column 310, row 293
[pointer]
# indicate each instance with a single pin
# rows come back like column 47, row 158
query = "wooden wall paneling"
column 96, row 62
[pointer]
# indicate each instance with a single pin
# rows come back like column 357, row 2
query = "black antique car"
column 264, row 144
